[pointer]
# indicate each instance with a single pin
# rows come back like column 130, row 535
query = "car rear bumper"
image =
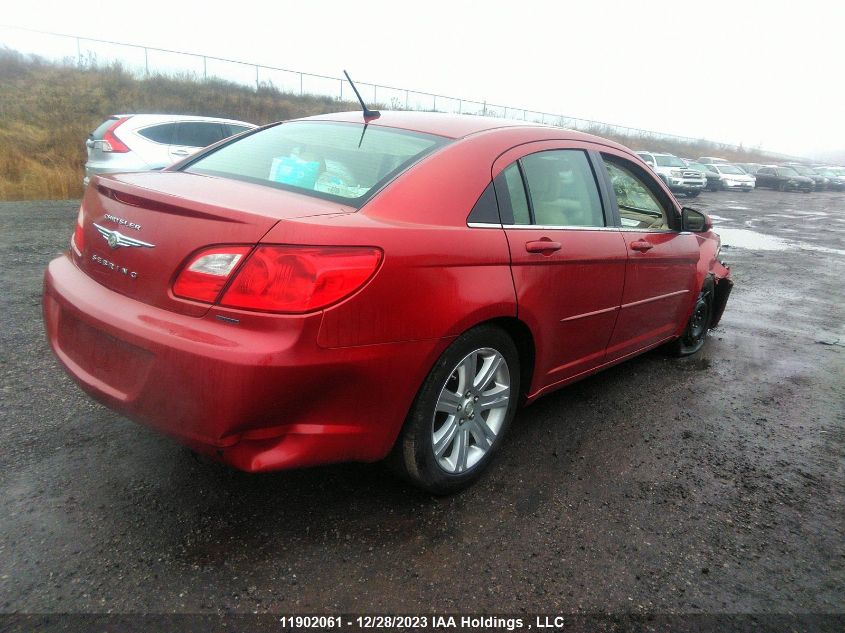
column 258, row 395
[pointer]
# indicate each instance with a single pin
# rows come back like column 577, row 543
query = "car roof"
column 144, row 119
column 455, row 126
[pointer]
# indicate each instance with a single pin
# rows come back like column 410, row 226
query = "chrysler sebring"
column 345, row 288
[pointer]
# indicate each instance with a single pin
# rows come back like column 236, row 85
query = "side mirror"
column 695, row 221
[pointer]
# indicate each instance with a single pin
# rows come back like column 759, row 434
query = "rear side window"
column 345, row 162
column 510, row 191
column 232, row 129
column 159, row 133
column 562, row 189
column 198, row 134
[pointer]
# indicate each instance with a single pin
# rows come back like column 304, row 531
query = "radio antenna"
column 368, row 114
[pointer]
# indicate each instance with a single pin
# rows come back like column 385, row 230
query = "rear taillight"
column 207, row 272
column 77, row 242
column 110, row 142
column 284, row 279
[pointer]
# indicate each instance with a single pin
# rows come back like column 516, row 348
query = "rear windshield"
column 804, row 171
column 669, row 161
column 344, row 162
column 97, row 135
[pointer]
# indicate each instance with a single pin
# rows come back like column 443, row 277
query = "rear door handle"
column 542, row 246
column 641, row 246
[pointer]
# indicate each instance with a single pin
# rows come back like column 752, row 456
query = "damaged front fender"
column 724, row 285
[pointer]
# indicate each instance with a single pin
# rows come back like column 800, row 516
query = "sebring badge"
column 116, row 239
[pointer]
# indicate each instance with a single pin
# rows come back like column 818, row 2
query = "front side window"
column 765, row 171
column 198, row 134
column 562, row 189
column 345, row 162
column 639, row 207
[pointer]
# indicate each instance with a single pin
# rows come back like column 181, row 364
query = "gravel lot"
column 713, row 484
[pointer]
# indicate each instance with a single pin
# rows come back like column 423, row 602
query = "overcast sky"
column 760, row 73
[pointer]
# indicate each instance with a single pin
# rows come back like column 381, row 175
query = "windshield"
column 344, row 162
column 787, row 171
column 669, row 161
column 804, row 171
column 697, row 166
column 730, row 169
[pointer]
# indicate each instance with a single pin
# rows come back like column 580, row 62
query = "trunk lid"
column 139, row 229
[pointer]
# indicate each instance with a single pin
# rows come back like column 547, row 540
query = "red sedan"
column 331, row 289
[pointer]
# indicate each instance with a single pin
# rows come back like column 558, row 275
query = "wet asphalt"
column 712, row 484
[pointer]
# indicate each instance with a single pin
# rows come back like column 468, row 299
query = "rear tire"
column 695, row 334
column 461, row 413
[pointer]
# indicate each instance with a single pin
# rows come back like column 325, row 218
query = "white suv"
column 143, row 142
column 674, row 173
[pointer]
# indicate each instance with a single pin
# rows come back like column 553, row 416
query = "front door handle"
column 641, row 246
column 180, row 152
column 545, row 246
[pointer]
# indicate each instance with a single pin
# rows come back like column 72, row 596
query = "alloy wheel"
column 470, row 410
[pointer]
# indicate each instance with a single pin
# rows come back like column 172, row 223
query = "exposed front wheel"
column 461, row 412
column 695, row 333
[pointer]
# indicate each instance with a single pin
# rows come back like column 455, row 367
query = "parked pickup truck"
column 674, row 172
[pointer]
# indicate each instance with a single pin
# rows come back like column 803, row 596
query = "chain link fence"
column 147, row 60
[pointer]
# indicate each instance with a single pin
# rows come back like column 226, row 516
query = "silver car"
column 143, row 142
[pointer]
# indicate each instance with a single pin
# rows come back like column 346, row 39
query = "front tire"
column 692, row 194
column 692, row 340
column 461, row 413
